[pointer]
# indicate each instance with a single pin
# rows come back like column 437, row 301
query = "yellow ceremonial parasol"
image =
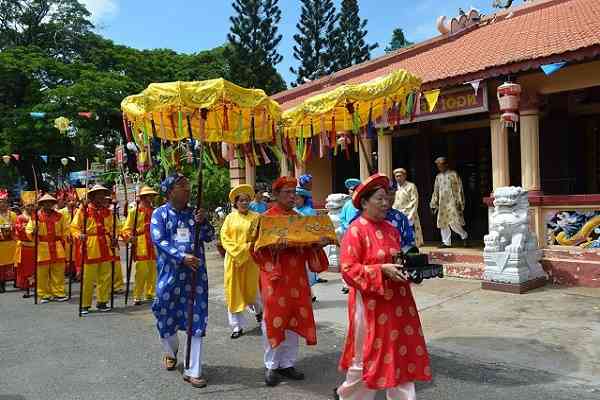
column 381, row 102
column 213, row 110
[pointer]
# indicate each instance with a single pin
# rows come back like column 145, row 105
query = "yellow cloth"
column 7, row 247
column 99, row 275
column 93, row 251
column 51, row 280
column 118, row 282
column 143, row 224
column 298, row 230
column 43, row 247
column 241, row 272
column 66, row 213
column 145, row 280
column 161, row 103
column 407, row 201
column 368, row 97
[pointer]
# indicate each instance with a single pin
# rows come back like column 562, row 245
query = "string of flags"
column 17, row 157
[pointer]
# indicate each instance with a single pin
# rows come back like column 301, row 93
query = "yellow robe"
column 7, row 244
column 407, row 202
column 43, row 251
column 98, row 249
column 66, row 213
column 241, row 272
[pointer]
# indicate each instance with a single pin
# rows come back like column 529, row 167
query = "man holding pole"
column 50, row 252
column 98, row 253
column 137, row 231
column 173, row 233
column 68, row 212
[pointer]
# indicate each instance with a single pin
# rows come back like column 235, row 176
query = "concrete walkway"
column 552, row 330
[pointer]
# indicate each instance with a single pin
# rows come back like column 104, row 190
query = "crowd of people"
column 385, row 348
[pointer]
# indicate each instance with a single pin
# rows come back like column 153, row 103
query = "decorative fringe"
column 180, row 124
column 225, row 118
column 153, row 126
column 240, row 127
column 161, row 122
column 126, row 129
column 371, row 132
column 264, row 154
column 384, row 115
column 173, row 129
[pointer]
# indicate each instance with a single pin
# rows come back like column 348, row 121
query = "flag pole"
column 84, row 242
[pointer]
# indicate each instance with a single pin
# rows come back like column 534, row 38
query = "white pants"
column 447, row 234
column 171, row 346
column 353, row 387
column 284, row 355
column 237, row 321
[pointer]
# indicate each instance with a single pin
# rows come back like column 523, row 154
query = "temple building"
column 551, row 48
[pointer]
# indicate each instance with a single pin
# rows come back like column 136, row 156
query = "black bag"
column 417, row 266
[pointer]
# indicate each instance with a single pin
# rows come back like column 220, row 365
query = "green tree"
column 398, row 41
column 317, row 23
column 253, row 40
column 350, row 45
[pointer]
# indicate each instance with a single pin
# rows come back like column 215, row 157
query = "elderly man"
column 285, row 292
column 406, row 200
column 173, row 227
column 448, row 201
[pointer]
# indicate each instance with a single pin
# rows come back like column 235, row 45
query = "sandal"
column 169, row 363
column 195, row 382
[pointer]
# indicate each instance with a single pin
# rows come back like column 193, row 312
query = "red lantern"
column 509, row 95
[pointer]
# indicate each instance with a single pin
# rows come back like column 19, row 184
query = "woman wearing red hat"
column 385, row 348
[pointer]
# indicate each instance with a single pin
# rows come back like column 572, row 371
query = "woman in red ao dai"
column 385, row 348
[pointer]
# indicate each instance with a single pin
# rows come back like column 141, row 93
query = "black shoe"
column 103, row 307
column 26, row 295
column 445, row 246
column 61, row 299
column 271, row 378
column 137, row 303
column 314, row 299
column 321, row 280
column 291, row 373
column 345, row 290
column 259, row 317
column 237, row 334
column 2, row 287
column 85, row 311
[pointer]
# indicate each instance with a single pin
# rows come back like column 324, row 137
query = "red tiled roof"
column 542, row 30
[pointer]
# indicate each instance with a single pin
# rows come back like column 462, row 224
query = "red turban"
column 283, row 182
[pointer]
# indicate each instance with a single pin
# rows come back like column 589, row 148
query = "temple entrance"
column 344, row 167
column 468, row 152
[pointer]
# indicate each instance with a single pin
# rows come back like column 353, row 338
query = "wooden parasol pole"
column 196, row 249
column 36, row 239
column 84, row 231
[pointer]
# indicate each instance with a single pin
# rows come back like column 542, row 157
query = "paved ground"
column 47, row 352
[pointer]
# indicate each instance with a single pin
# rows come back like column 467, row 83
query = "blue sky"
column 195, row 25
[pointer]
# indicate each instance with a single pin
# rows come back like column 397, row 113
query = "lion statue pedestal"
column 511, row 254
column 334, row 204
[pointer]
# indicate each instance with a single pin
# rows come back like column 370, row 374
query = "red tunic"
column 394, row 350
column 284, row 288
column 24, row 257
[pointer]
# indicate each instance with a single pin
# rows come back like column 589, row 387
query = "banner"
column 432, row 98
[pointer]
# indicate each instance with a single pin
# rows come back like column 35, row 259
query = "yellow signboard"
column 295, row 230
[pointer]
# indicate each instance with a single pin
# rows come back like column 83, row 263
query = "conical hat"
column 147, row 191
column 98, row 188
column 47, row 197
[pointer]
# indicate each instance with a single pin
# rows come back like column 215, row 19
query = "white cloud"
column 101, row 9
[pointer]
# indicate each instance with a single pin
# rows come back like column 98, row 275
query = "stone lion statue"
column 511, row 251
column 334, row 204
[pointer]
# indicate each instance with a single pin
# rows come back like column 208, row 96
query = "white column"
column 530, row 150
column 284, row 167
column 237, row 175
column 250, row 174
column 499, row 144
column 364, row 164
column 384, row 154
